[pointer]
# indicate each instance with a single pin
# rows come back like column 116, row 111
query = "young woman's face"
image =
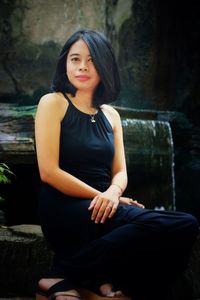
column 81, row 71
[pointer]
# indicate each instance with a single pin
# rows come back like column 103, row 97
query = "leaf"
column 4, row 172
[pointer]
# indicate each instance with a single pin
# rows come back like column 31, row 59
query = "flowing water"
column 150, row 162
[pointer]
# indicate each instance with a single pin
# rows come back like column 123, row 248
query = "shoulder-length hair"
column 104, row 61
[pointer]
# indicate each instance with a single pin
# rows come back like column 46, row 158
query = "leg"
column 135, row 242
column 156, row 246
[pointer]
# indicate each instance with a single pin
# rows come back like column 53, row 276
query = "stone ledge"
column 25, row 257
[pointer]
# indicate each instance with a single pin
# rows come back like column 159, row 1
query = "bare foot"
column 107, row 291
column 46, row 283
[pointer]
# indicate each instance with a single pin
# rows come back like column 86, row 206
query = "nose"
column 83, row 66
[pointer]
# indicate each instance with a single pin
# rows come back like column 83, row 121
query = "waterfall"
column 172, row 169
column 150, row 162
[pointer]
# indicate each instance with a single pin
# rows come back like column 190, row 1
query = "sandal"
column 60, row 288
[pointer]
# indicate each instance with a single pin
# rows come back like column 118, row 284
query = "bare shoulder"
column 53, row 102
column 112, row 114
column 51, row 99
column 111, row 110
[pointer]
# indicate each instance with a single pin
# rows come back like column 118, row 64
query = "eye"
column 74, row 59
column 90, row 59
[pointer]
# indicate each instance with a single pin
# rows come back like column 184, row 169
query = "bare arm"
column 119, row 171
column 50, row 112
column 105, row 204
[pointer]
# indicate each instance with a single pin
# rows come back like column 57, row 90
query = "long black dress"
column 146, row 242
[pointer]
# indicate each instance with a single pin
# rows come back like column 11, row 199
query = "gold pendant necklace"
column 92, row 119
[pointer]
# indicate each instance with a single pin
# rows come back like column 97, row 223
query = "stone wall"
column 157, row 47
column 32, row 33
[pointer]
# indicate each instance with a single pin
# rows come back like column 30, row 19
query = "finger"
column 96, row 209
column 137, row 204
column 100, row 213
column 93, row 202
column 107, row 211
column 134, row 202
column 113, row 211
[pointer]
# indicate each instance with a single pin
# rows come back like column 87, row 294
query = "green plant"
column 5, row 174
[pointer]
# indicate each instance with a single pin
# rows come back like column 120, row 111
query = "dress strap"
column 67, row 98
column 71, row 103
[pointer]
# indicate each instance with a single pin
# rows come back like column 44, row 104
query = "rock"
column 192, row 274
column 187, row 286
column 24, row 258
column 2, row 218
column 17, row 133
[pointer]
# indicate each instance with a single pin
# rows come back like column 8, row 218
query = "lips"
column 82, row 77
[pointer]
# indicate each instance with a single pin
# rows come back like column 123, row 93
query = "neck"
column 84, row 99
column 84, row 102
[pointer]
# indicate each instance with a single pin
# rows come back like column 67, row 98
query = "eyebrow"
column 77, row 54
column 74, row 54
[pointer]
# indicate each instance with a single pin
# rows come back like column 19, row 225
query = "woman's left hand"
column 130, row 201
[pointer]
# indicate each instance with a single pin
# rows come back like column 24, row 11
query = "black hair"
column 104, row 61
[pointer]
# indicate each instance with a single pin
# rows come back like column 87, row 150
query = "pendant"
column 92, row 119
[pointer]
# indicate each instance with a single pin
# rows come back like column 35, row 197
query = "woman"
column 95, row 232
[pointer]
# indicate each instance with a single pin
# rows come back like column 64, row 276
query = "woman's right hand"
column 104, row 205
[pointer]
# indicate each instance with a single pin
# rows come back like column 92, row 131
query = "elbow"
column 43, row 177
column 46, row 176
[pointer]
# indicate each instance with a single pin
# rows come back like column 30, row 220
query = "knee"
column 192, row 225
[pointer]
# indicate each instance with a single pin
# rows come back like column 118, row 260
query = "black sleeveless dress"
column 86, row 151
column 85, row 251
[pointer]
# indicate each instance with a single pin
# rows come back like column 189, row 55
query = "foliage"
column 5, row 174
